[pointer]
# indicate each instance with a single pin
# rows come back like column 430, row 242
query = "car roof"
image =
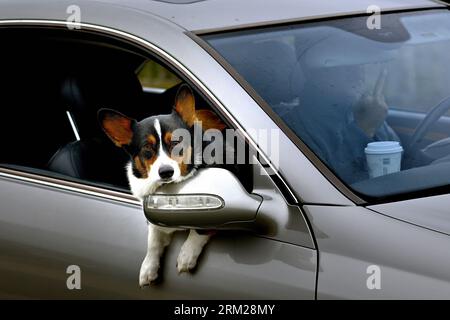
column 202, row 15
column 212, row 15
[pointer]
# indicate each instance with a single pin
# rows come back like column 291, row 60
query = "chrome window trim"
column 169, row 59
column 68, row 186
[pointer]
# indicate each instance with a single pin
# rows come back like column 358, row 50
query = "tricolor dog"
column 150, row 144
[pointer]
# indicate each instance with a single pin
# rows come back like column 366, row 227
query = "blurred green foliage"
column 153, row 75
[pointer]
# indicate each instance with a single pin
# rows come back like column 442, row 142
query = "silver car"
column 308, row 85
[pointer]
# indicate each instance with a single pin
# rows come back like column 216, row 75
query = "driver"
column 339, row 114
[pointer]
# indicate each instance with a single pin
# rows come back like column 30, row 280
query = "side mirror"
column 213, row 199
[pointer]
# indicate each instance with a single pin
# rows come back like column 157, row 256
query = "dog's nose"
column 166, row 172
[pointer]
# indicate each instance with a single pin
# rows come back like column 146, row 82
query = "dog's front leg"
column 190, row 251
column 158, row 239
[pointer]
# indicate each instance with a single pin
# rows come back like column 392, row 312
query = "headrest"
column 86, row 91
column 270, row 67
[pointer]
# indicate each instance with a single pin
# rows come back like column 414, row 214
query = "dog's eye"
column 147, row 151
column 148, row 154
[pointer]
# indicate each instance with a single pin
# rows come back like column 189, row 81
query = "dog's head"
column 158, row 153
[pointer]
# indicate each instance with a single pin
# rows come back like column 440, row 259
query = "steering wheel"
column 430, row 119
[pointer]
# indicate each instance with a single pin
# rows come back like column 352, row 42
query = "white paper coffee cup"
column 383, row 157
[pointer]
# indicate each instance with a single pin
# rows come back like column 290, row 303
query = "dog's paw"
column 187, row 259
column 148, row 273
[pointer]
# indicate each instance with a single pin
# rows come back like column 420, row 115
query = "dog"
column 152, row 163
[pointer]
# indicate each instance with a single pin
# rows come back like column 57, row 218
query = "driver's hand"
column 371, row 109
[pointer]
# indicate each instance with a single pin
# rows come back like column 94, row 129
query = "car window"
column 355, row 96
column 50, row 103
column 57, row 109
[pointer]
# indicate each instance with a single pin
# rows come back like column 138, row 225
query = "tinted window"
column 340, row 86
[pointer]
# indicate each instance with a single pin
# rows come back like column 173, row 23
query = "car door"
column 54, row 227
column 49, row 228
column 66, row 238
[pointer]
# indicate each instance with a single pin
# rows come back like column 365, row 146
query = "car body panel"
column 429, row 212
column 413, row 261
column 50, row 229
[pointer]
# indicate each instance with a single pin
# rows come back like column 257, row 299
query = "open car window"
column 54, row 103
column 339, row 86
column 50, row 102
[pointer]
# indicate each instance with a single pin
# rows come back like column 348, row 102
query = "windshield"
column 356, row 95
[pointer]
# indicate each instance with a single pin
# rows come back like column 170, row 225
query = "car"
column 306, row 84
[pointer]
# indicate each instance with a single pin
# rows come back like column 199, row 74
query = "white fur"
column 190, row 251
column 163, row 159
column 159, row 237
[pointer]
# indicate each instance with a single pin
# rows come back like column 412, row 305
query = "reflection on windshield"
column 338, row 86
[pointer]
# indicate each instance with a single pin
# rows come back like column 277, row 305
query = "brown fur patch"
column 140, row 167
column 118, row 129
column 183, row 161
column 144, row 165
column 168, row 138
column 209, row 120
column 185, row 105
column 151, row 139
column 183, row 169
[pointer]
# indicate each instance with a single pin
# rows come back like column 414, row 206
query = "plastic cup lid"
column 383, row 147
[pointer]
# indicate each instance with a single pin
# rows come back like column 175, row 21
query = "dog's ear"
column 118, row 127
column 185, row 104
column 209, row 120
